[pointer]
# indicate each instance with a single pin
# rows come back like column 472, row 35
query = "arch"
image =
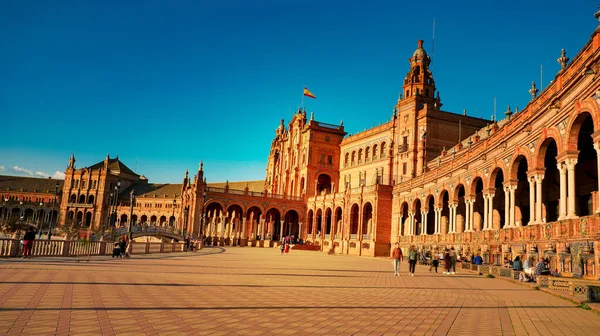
column 574, row 125
column 81, row 199
column 459, row 191
column 253, row 222
column 403, row 218
column 302, row 186
column 134, row 220
column 478, row 205
column 91, row 199
column 360, row 155
column 328, row 220
column 162, row 220
column 319, row 223
column 273, row 222
column 153, row 220
column 70, row 216
column 375, row 151
column 383, row 148
column 338, row 220
column 542, row 145
column 418, row 219
column 548, row 151
column 367, row 220
column 309, row 222
column 324, row 183
column 123, row 220
column 430, row 202
column 516, row 160
column 233, row 222
column 472, row 188
column 493, row 175
column 354, row 210
column 519, row 172
column 143, row 219
column 347, row 159
column 88, row 219
column 291, row 227
column 353, row 157
column 367, row 153
column 586, row 169
column 73, row 198
column 79, row 218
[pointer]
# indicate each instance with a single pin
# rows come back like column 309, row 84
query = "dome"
column 420, row 53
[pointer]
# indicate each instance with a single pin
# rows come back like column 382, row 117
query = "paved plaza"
column 253, row 291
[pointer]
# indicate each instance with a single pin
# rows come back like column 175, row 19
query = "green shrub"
column 585, row 306
column 491, row 276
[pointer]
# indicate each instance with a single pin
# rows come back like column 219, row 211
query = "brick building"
column 525, row 185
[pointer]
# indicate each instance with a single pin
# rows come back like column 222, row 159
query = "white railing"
column 66, row 248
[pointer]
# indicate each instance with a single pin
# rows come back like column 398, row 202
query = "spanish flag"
column 309, row 94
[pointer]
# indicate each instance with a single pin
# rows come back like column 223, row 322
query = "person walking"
column 447, row 262
column 452, row 261
column 435, row 261
column 396, row 259
column 412, row 260
column 28, row 242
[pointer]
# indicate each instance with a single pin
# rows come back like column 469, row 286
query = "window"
column 329, row 159
column 404, row 168
column 406, row 139
column 83, row 184
column 383, row 150
column 76, row 184
column 322, row 158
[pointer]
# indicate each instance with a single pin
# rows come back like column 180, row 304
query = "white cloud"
column 2, row 168
column 58, row 175
column 20, row 170
column 41, row 174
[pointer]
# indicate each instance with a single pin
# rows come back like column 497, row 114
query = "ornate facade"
column 525, row 185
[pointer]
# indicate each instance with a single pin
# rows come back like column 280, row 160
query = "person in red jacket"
column 396, row 259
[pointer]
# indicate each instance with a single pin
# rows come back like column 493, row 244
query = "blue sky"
column 169, row 83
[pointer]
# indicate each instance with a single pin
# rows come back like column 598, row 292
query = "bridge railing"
column 66, row 248
column 149, row 229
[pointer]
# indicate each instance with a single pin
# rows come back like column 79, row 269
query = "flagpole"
column 303, row 97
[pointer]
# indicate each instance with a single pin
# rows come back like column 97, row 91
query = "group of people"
column 285, row 244
column 434, row 257
column 120, row 249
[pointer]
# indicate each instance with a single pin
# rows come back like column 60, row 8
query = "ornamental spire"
column 563, row 59
column 533, row 91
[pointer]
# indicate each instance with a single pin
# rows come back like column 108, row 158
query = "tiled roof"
column 29, row 184
column 257, row 185
column 158, row 189
column 114, row 164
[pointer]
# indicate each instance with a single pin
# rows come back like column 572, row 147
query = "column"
column 538, row 197
column 562, row 202
column 507, row 222
column 472, row 216
column 424, row 222
column 485, row 212
column 532, row 218
column 452, row 219
column 438, row 221
column 491, row 211
column 262, row 228
column 597, row 148
column 571, row 187
column 411, row 224
column 244, row 229
column 511, row 210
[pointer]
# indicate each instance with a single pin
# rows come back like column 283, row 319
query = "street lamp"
column 53, row 211
column 115, row 203
column 202, row 220
column 39, row 212
column 132, row 200
column 185, row 220
column 173, row 213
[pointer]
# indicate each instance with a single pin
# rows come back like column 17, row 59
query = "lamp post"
column 39, row 212
column 202, row 220
column 115, row 203
column 53, row 210
column 173, row 213
column 185, row 219
column 132, row 200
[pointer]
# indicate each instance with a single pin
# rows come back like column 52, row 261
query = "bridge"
column 151, row 231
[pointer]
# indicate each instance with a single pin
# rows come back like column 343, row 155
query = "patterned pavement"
column 253, row 291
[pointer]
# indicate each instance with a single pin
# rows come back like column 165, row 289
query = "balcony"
column 402, row 148
column 80, row 205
